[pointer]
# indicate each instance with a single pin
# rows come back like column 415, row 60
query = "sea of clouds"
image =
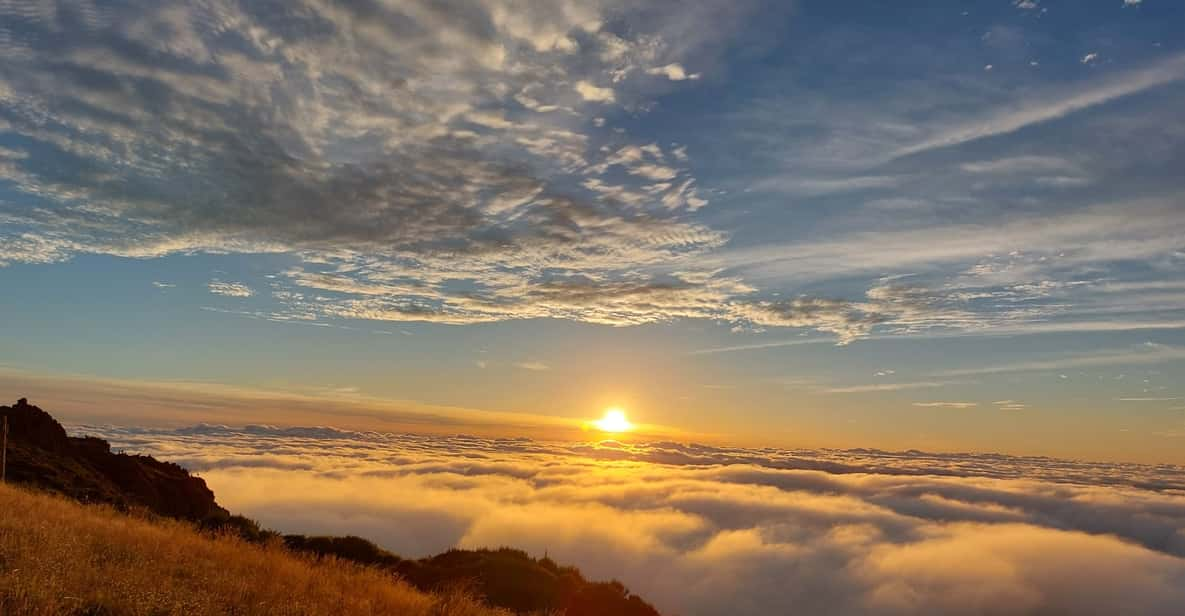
column 698, row 529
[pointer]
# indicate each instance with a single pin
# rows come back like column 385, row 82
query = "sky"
column 952, row 226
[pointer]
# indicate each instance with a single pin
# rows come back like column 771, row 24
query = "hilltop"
column 175, row 505
column 85, row 469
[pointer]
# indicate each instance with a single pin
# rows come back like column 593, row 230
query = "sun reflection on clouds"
column 707, row 530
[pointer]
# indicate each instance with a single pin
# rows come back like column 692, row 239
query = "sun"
column 613, row 421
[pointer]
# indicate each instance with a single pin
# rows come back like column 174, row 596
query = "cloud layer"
column 481, row 161
column 707, row 530
column 419, row 162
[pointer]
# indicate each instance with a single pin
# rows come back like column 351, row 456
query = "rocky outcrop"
column 40, row 453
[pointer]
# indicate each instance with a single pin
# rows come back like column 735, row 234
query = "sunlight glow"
column 614, row 421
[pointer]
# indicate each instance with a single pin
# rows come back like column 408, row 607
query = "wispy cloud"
column 1053, row 105
column 230, row 289
column 882, row 387
column 760, row 345
column 947, row 405
column 1073, row 234
column 673, row 71
column 995, row 330
column 1021, row 164
column 1148, row 353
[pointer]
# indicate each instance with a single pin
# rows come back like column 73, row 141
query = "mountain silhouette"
column 504, row 577
column 40, row 453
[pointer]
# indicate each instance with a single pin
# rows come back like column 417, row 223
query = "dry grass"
column 59, row 557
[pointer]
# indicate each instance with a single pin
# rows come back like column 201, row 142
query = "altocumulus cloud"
column 465, row 163
column 229, row 289
column 422, row 163
column 460, row 163
column 711, row 530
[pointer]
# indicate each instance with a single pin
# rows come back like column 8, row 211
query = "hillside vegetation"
column 60, row 557
column 504, row 577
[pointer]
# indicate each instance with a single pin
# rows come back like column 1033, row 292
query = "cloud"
column 825, row 186
column 1148, row 353
column 1070, row 237
column 1026, row 274
column 703, row 530
column 591, row 92
column 1051, row 106
column 470, row 170
column 847, row 320
column 889, row 305
column 947, row 405
column 673, row 71
column 422, row 167
column 1020, row 164
column 759, row 345
column 536, row 366
column 881, row 387
column 633, row 300
column 230, row 289
column 976, row 208
column 998, row 330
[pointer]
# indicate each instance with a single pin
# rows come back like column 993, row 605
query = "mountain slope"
column 84, row 468
column 504, row 577
column 59, row 557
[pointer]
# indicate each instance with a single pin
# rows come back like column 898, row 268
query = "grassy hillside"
column 60, row 557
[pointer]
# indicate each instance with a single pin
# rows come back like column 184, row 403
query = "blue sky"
column 944, row 226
